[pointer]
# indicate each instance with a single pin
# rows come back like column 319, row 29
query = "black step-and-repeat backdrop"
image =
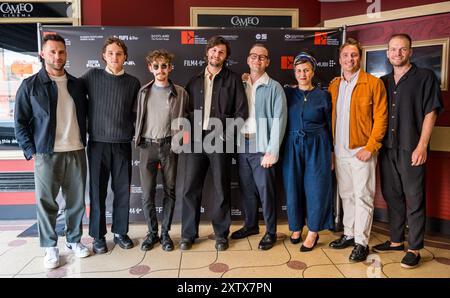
column 188, row 44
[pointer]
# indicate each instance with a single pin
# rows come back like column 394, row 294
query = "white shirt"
column 115, row 74
column 342, row 138
column 67, row 136
column 250, row 90
column 209, row 84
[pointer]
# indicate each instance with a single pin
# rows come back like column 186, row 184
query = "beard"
column 215, row 63
column 402, row 62
column 57, row 66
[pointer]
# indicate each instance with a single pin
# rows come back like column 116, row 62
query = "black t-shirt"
column 416, row 94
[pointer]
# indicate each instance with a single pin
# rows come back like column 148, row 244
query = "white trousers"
column 356, row 187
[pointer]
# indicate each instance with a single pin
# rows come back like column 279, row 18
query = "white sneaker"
column 78, row 249
column 51, row 258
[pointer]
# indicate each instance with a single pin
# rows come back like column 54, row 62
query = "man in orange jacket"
column 359, row 120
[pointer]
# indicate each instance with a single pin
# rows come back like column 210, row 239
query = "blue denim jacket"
column 35, row 112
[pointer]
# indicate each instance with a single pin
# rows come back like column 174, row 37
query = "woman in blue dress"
column 307, row 162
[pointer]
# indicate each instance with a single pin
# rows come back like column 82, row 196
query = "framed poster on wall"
column 244, row 17
column 432, row 54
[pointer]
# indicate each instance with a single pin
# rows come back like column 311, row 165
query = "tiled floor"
column 22, row 257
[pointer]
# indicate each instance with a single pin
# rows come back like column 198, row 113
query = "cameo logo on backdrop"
column 287, row 62
column 189, row 37
column 294, row 37
column 10, row 10
column 238, row 21
column 261, row 36
column 130, row 63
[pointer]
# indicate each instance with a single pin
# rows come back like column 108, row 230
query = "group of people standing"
column 361, row 119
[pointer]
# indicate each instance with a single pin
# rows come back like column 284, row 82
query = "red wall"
column 309, row 11
column 421, row 28
column 91, row 12
column 127, row 13
column 334, row 10
column 177, row 12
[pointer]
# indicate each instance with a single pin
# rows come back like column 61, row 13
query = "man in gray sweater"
column 112, row 96
column 159, row 104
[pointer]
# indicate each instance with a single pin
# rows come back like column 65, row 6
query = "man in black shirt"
column 414, row 103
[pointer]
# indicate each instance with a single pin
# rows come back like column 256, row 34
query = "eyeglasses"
column 157, row 66
column 255, row 56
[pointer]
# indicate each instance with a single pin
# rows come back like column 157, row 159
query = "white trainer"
column 78, row 249
column 51, row 258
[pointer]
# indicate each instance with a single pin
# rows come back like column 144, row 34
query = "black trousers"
column 403, row 188
column 196, row 168
column 257, row 184
column 107, row 159
column 151, row 155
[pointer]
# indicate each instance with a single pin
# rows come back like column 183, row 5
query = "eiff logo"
column 287, row 62
column 187, row 37
column 320, row 38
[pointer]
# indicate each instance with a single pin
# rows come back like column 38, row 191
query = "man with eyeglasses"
column 218, row 94
column 262, row 134
column 414, row 100
column 159, row 103
column 112, row 111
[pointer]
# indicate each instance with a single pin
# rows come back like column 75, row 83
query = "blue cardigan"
column 271, row 117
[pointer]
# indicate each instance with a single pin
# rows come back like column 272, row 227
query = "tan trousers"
column 356, row 188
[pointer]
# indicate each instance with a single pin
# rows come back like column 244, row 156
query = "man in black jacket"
column 217, row 94
column 50, row 125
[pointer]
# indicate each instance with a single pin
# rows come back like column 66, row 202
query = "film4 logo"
column 287, row 62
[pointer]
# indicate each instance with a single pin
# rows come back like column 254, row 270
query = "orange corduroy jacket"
column 368, row 112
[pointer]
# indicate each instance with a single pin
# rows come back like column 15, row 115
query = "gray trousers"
column 65, row 170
